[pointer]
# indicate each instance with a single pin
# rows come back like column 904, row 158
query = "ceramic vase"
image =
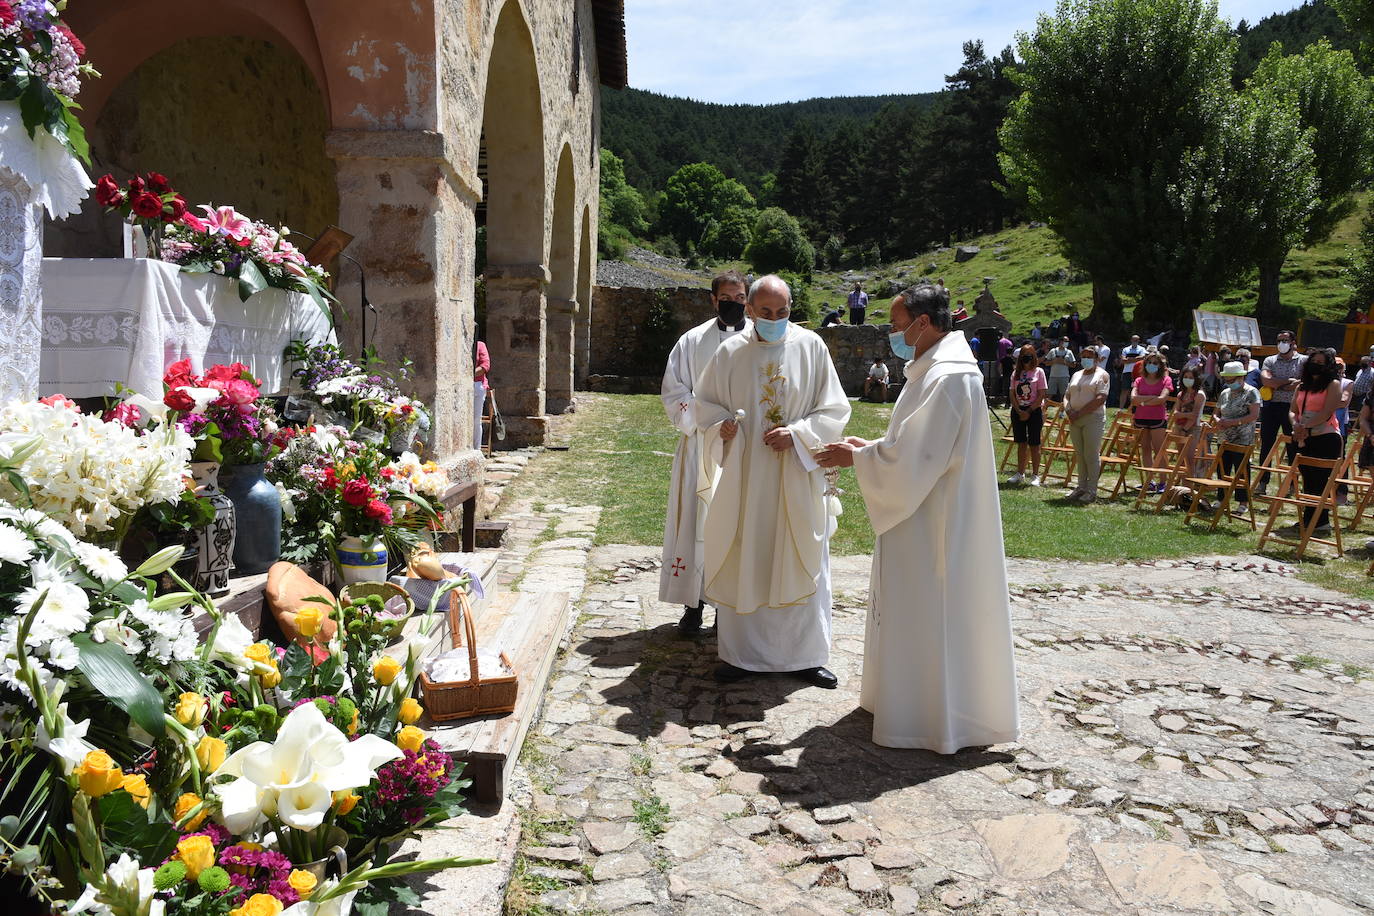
column 361, row 559
column 257, row 504
column 214, row 542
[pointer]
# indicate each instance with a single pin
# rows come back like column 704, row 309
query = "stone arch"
column 514, row 215
column 562, row 299
column 582, row 321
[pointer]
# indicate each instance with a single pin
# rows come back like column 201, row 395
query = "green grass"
column 651, row 815
column 621, row 455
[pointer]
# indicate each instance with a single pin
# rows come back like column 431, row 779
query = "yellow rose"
column 345, row 801
column 259, row 652
column 385, row 670
column 190, row 710
column 309, row 619
column 184, row 806
column 353, row 723
column 98, row 774
column 302, row 882
column 197, row 853
column 137, row 786
column 410, row 738
column 258, row 905
column 271, row 678
column 410, row 711
column 210, row 753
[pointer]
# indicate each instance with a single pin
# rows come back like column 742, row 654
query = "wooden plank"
column 530, row 632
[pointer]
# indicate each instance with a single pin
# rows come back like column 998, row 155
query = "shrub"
column 779, row 244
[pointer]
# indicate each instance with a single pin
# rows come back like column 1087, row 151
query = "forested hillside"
column 1295, row 30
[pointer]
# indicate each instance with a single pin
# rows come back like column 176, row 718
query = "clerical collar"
column 723, row 327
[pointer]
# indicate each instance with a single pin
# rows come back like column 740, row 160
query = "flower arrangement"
column 41, row 68
column 90, row 474
column 366, row 394
column 258, row 255
column 146, row 200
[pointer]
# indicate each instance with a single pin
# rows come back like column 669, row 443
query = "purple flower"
column 34, row 15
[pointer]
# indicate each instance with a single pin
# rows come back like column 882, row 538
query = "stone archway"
column 582, row 321
column 562, row 298
column 516, row 276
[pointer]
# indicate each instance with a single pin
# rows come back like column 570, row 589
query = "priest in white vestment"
column 770, row 398
column 938, row 671
column 694, row 466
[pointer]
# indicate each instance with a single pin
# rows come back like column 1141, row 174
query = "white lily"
column 72, row 747
column 147, row 407
column 231, row 639
column 295, row 776
column 334, row 906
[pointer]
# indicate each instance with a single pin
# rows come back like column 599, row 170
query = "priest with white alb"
column 695, row 467
column 770, row 398
column 938, row 671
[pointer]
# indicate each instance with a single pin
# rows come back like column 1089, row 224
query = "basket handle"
column 460, row 611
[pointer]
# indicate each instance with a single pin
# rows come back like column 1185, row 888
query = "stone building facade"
column 408, row 124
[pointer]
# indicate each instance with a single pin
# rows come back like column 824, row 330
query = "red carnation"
column 107, row 191
column 75, row 42
column 7, row 17
column 380, row 511
column 147, row 206
column 178, row 399
column 331, row 480
column 357, row 492
column 157, row 183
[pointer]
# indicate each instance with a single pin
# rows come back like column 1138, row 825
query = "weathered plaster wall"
column 183, row 113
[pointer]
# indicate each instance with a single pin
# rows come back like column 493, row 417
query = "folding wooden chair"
column 1290, row 494
column 1118, row 451
column 1055, row 445
column 1176, row 464
column 1217, row 479
column 488, row 421
column 1274, row 462
column 1359, row 483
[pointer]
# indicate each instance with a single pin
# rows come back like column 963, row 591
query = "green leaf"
column 251, row 280
column 126, row 824
column 111, row 672
column 313, row 289
column 295, row 668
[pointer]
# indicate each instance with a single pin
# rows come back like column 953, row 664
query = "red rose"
column 406, row 409
column 157, row 183
column 175, row 210
column 357, row 492
column 379, row 511
column 179, row 375
column 238, row 393
column 178, row 399
column 147, row 206
column 331, row 480
column 388, row 472
column 125, row 414
column 227, row 373
column 137, row 185
column 108, row 193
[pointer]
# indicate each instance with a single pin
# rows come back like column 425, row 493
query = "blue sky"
column 783, row 50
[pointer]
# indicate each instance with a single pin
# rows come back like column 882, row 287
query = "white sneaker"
column 1034, row 481
column 1016, row 479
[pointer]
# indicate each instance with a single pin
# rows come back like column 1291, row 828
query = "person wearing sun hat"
column 1237, row 411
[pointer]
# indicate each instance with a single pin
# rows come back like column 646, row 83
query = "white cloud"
column 780, row 50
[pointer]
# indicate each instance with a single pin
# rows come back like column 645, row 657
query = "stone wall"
column 632, row 331
column 852, row 349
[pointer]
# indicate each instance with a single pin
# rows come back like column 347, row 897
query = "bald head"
column 770, row 298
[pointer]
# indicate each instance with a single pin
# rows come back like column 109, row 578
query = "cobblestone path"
column 1197, row 737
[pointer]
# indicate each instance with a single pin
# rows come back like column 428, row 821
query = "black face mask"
column 731, row 312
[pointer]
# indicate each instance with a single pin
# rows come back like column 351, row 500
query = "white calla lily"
column 334, row 906
column 231, row 639
column 293, row 777
column 147, row 407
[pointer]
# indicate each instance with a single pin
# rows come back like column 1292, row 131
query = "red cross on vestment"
column 678, row 567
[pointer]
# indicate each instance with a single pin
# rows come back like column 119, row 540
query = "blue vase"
column 257, row 511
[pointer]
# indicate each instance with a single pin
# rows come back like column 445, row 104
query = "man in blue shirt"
column 858, row 304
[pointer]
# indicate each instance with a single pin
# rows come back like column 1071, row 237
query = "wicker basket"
column 358, row 591
column 475, row 696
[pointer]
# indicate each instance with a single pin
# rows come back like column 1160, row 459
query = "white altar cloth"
column 108, row 320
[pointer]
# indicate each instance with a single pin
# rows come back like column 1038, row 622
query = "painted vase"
column 257, row 503
column 361, row 559
column 214, row 542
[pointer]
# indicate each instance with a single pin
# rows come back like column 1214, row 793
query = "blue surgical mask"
column 1152, row 368
column 1238, row 384
column 900, row 348
column 771, row 331
column 1089, row 362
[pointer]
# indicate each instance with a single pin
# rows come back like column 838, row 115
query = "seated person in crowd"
column 875, row 386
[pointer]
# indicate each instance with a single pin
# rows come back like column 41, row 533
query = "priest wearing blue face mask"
column 938, row 670
column 766, row 401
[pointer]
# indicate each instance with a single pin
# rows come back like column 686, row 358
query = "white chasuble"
column 694, row 469
column 938, row 671
column 767, row 567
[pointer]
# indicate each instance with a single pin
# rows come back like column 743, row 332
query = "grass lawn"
column 620, row 457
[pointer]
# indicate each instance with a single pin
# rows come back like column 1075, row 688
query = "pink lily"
column 227, row 221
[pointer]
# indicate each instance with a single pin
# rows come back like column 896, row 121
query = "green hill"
column 1033, row 281
column 1295, row 30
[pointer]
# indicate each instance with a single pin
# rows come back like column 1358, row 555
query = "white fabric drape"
column 57, row 181
column 21, row 303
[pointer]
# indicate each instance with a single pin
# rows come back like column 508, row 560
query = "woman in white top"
column 1085, row 402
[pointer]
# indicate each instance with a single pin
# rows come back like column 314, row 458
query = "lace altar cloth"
column 21, row 252
column 58, row 181
column 124, row 320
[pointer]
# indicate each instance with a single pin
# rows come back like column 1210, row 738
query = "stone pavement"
column 1197, row 737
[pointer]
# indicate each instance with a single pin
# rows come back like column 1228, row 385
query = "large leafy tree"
column 623, row 211
column 1335, row 106
column 779, row 244
column 1130, row 142
column 698, row 195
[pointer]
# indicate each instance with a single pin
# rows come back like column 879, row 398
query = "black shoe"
column 690, row 624
column 818, row 677
column 727, row 673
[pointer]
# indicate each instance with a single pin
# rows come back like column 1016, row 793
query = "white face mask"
column 1284, row 346
column 1187, row 383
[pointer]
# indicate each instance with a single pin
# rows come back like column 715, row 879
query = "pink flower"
column 124, row 413
column 239, row 393
column 378, row 511
column 191, row 221
column 357, row 492
column 60, row 400
column 227, row 221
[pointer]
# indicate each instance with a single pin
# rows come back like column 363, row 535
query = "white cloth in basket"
column 453, row 666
